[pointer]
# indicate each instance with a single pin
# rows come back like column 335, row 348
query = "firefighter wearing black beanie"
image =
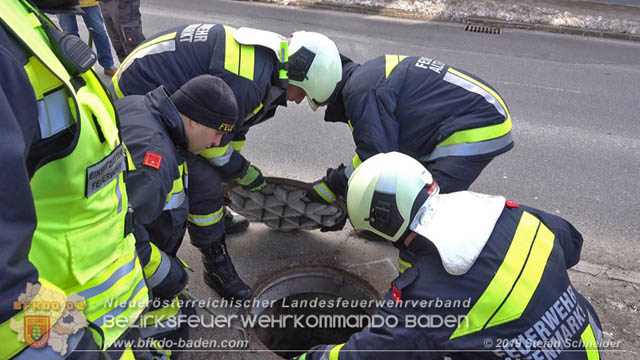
column 208, row 100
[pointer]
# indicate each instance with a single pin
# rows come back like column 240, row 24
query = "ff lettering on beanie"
column 208, row 100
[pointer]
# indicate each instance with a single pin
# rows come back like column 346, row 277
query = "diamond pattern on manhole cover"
column 283, row 205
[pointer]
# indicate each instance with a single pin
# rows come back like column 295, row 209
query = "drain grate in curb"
column 482, row 29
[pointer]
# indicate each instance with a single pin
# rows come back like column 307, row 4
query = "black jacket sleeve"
column 18, row 127
column 568, row 236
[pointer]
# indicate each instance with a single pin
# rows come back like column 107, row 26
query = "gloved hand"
column 175, row 281
column 321, row 193
column 253, row 180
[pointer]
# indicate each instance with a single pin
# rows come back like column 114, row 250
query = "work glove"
column 253, row 180
column 175, row 281
column 321, row 193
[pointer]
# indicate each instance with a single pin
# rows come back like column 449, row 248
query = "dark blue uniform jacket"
column 554, row 319
column 411, row 108
column 201, row 49
column 151, row 125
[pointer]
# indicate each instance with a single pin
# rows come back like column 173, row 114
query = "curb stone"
column 399, row 13
column 615, row 274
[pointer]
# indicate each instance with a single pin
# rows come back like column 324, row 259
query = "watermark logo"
column 50, row 317
column 36, row 330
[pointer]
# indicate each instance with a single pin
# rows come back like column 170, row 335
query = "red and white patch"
column 396, row 293
column 152, row 159
column 511, row 204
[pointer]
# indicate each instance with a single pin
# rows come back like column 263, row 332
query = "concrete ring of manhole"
column 304, row 306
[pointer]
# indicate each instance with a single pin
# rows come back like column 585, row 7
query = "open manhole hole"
column 308, row 306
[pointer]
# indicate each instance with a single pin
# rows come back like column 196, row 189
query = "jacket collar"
column 164, row 110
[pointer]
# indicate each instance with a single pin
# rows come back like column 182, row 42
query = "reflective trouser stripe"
column 155, row 46
column 238, row 59
column 161, row 268
column 350, row 125
column 218, row 156
column 206, row 220
column 590, row 344
column 516, row 280
column 468, row 149
column 323, row 190
column 403, row 265
column 355, row 162
column 391, row 61
column 237, row 145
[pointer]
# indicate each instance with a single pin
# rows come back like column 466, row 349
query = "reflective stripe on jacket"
column 515, row 302
column 420, row 107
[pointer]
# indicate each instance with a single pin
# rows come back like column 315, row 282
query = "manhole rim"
column 285, row 274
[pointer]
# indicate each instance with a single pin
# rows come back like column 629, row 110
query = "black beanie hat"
column 208, row 100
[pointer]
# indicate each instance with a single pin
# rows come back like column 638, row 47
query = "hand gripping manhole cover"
column 284, row 206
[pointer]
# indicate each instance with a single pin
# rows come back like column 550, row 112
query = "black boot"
column 220, row 274
column 234, row 223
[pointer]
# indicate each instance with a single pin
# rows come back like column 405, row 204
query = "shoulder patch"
column 152, row 159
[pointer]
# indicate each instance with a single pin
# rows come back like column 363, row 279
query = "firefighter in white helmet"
column 501, row 268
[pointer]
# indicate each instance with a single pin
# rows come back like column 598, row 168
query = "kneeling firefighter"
column 158, row 130
column 501, row 268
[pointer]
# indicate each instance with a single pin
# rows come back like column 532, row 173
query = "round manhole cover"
column 307, row 306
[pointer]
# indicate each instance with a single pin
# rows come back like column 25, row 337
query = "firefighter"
column 498, row 269
column 264, row 70
column 67, row 243
column 449, row 120
column 157, row 129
